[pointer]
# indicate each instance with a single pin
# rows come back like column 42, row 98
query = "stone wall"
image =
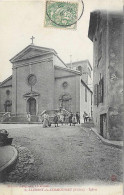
column 110, row 68
column 100, row 71
column 85, row 106
column 44, row 86
column 116, row 106
column 72, row 89
column 4, row 97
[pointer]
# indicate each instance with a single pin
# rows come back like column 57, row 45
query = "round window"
column 32, row 79
column 65, row 84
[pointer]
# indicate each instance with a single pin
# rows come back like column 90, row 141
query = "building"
column 41, row 81
column 106, row 33
column 85, row 69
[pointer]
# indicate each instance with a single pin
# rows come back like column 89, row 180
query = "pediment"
column 30, row 52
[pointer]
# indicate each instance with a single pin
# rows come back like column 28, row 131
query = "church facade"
column 41, row 81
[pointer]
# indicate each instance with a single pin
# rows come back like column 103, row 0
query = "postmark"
column 62, row 14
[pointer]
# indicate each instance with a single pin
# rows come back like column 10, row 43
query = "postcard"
column 61, row 97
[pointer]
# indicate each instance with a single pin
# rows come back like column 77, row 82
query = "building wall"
column 100, row 71
column 44, row 86
column 4, row 97
column 85, row 103
column 110, row 68
column 73, row 89
column 115, row 69
column 85, row 69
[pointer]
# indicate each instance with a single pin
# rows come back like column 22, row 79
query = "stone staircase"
column 20, row 119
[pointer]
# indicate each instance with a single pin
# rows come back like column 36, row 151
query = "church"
column 42, row 81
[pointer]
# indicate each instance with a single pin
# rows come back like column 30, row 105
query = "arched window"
column 8, row 106
column 7, row 92
column 80, row 68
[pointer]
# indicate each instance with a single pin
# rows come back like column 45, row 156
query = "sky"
column 20, row 20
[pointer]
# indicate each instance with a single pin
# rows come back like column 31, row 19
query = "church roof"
column 38, row 51
column 68, row 69
column 6, row 82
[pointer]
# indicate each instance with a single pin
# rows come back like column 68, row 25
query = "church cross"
column 32, row 38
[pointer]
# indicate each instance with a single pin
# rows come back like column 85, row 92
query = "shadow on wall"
column 116, row 118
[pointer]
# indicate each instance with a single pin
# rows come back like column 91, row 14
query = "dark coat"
column 55, row 119
column 70, row 118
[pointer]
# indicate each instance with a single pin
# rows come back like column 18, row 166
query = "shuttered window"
column 95, row 94
column 99, row 92
column 85, row 94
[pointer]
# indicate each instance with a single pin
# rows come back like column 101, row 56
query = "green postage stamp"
column 61, row 14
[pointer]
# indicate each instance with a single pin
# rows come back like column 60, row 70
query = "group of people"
column 74, row 118
column 60, row 118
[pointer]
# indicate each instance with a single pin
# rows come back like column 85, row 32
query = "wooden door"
column 32, row 106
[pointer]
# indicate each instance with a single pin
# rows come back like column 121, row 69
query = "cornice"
column 32, row 63
column 68, row 69
column 65, row 76
column 6, row 86
column 47, row 50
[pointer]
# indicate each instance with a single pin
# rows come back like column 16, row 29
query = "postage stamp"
column 60, row 14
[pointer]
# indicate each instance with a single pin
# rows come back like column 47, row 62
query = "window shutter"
column 102, row 89
column 85, row 94
column 98, row 94
column 101, row 92
column 95, row 94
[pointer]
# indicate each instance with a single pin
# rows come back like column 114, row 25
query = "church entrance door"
column 32, row 106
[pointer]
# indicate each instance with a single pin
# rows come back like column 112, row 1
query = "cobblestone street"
column 63, row 155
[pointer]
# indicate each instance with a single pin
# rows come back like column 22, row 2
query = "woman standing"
column 45, row 120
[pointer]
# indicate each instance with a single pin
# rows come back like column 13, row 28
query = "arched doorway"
column 8, row 106
column 32, row 106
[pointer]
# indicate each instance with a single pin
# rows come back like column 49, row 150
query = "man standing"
column 78, row 118
column 85, row 116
